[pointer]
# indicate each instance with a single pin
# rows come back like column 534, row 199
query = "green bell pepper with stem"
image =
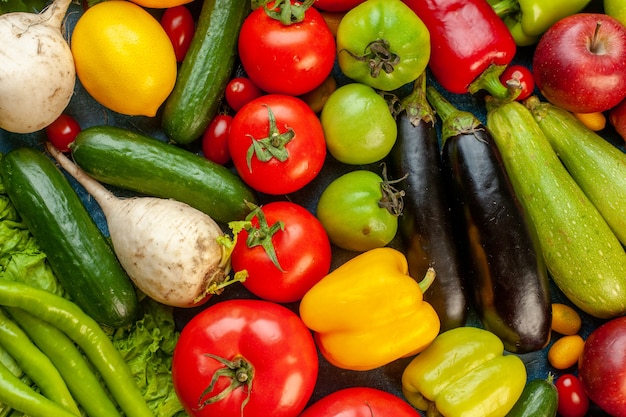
column 464, row 372
column 527, row 20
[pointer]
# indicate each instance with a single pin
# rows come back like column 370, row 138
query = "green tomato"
column 382, row 43
column 350, row 211
column 358, row 126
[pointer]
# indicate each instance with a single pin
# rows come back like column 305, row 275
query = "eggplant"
column 509, row 279
column 426, row 225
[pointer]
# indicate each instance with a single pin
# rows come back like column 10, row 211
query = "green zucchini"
column 205, row 71
column 146, row 165
column 539, row 399
column 598, row 167
column 583, row 255
column 79, row 254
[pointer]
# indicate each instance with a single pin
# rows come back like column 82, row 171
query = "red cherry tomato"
column 283, row 225
column 240, row 91
column 179, row 26
column 522, row 75
column 62, row 132
column 215, row 139
column 573, row 401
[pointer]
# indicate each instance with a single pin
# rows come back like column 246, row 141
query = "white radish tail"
column 170, row 250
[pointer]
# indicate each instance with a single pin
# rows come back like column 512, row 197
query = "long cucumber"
column 598, row 167
column 584, row 257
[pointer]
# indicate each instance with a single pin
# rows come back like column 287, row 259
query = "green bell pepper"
column 464, row 373
column 527, row 20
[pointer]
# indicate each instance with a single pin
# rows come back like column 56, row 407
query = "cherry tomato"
column 573, row 401
column 262, row 341
column 360, row 402
column 240, row 91
column 336, row 5
column 276, row 143
column 62, row 132
column 179, row 26
column 215, row 139
column 521, row 75
column 287, row 58
column 281, row 274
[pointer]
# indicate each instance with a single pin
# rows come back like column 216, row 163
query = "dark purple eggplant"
column 426, row 224
column 509, row 279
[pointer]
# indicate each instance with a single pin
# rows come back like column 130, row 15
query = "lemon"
column 124, row 58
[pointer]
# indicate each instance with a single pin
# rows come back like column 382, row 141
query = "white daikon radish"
column 170, row 250
column 37, row 73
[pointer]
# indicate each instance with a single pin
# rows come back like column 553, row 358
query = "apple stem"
column 594, row 40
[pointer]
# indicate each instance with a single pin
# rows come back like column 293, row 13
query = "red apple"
column 617, row 118
column 602, row 367
column 579, row 63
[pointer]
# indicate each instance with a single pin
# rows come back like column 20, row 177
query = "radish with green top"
column 174, row 253
column 37, row 74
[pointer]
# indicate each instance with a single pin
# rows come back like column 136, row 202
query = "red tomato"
column 285, row 226
column 282, row 58
column 215, row 139
column 277, row 144
column 336, row 5
column 179, row 26
column 360, row 402
column 263, row 341
column 523, row 76
column 62, row 132
column 240, row 91
column 573, row 401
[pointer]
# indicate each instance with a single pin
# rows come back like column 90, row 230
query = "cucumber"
column 584, row 257
column 146, row 165
column 205, row 71
column 598, row 167
column 539, row 399
column 79, row 255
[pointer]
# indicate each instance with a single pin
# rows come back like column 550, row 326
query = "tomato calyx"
column 392, row 198
column 272, row 146
column 262, row 235
column 287, row 13
column 239, row 371
column 378, row 56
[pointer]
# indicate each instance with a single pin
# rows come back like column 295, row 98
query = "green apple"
column 616, row 9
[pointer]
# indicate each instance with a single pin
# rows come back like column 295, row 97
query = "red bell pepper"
column 470, row 45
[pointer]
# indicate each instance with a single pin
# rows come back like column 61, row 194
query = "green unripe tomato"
column 350, row 212
column 358, row 126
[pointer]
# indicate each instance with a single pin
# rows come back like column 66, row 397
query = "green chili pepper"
column 464, row 372
column 35, row 364
column 527, row 20
column 21, row 397
column 72, row 365
column 87, row 334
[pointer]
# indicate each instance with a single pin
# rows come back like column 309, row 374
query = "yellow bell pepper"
column 369, row 311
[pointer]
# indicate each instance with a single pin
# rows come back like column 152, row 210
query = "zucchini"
column 509, row 279
column 79, row 254
column 585, row 259
column 427, row 225
column 146, row 165
column 539, row 399
column 598, row 167
column 205, row 70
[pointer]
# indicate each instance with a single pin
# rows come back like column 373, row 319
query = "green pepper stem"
column 454, row 122
column 505, row 8
column 428, row 279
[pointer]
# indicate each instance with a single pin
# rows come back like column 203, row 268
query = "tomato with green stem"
column 277, row 144
column 265, row 249
column 360, row 210
column 245, row 357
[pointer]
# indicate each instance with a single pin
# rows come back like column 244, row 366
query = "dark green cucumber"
column 539, row 399
column 583, row 255
column 205, row 71
column 598, row 167
column 78, row 253
column 139, row 163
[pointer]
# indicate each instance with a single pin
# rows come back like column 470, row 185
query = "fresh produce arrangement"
column 271, row 207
